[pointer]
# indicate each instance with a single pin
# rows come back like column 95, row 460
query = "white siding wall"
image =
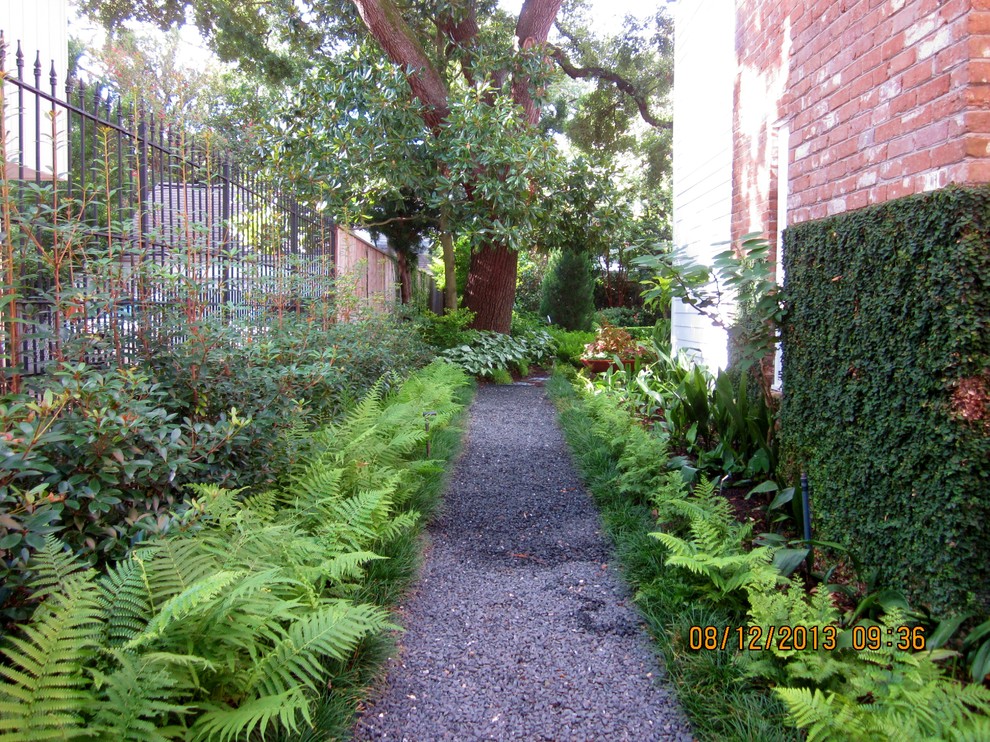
column 704, row 78
column 40, row 26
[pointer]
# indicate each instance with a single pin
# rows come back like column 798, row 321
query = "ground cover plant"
column 99, row 457
column 493, row 355
column 231, row 623
column 709, row 592
column 892, row 426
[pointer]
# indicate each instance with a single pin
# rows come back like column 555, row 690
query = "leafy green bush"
column 444, row 330
column 568, row 291
column 491, row 352
column 625, row 316
column 570, row 344
column 299, row 375
column 526, row 323
column 99, row 458
column 221, row 628
column 887, row 379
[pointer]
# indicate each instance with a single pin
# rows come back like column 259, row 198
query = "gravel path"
column 519, row 629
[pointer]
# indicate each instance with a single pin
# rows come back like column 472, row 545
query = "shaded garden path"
column 519, row 628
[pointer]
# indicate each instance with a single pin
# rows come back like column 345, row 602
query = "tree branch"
column 389, row 29
column 600, row 73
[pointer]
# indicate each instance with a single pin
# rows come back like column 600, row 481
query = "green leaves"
column 224, row 628
column 886, row 329
column 492, row 351
column 743, row 275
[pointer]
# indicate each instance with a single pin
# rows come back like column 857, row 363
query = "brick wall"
column 881, row 99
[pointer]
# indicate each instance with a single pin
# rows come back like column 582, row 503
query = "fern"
column 333, row 631
column 53, row 565
column 137, row 700
column 174, row 566
column 124, row 600
column 188, row 602
column 891, row 694
column 715, row 550
column 222, row 723
column 349, row 566
column 45, row 690
column 792, row 606
column 263, row 504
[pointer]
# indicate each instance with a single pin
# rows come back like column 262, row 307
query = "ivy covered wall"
column 887, row 387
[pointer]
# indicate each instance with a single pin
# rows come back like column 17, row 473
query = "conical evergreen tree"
column 568, row 291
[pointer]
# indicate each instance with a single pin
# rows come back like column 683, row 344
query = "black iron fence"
column 111, row 216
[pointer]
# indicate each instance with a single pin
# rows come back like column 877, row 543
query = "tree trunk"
column 491, row 287
column 405, row 278
column 449, row 267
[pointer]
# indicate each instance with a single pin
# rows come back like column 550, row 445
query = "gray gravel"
column 519, row 628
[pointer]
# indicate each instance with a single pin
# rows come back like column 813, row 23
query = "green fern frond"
column 124, row 600
column 45, row 689
column 255, row 716
column 825, row 717
column 333, row 631
column 175, row 565
column 52, row 565
column 349, row 566
column 190, row 601
column 136, row 701
column 263, row 504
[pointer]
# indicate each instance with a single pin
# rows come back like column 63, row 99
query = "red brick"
column 977, row 95
column 977, row 146
column 950, row 10
column 979, row 71
column 977, row 121
column 846, row 148
column 902, row 61
column 892, row 46
column 890, row 130
column 952, row 56
column 978, row 47
column 957, row 126
column 899, row 190
column 891, row 169
column 947, row 153
column 857, row 200
column 919, row 73
column 978, row 22
column 933, row 89
column 917, row 162
column 931, row 135
column 872, row 59
column 904, row 102
column 899, row 147
column 976, row 171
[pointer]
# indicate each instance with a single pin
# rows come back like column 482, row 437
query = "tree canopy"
column 446, row 101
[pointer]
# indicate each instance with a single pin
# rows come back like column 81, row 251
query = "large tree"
column 453, row 54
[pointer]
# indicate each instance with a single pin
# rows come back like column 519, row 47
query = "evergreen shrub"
column 568, row 291
column 887, row 388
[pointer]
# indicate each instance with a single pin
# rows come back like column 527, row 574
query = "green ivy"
column 887, row 379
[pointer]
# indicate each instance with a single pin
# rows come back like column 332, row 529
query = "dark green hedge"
column 886, row 383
